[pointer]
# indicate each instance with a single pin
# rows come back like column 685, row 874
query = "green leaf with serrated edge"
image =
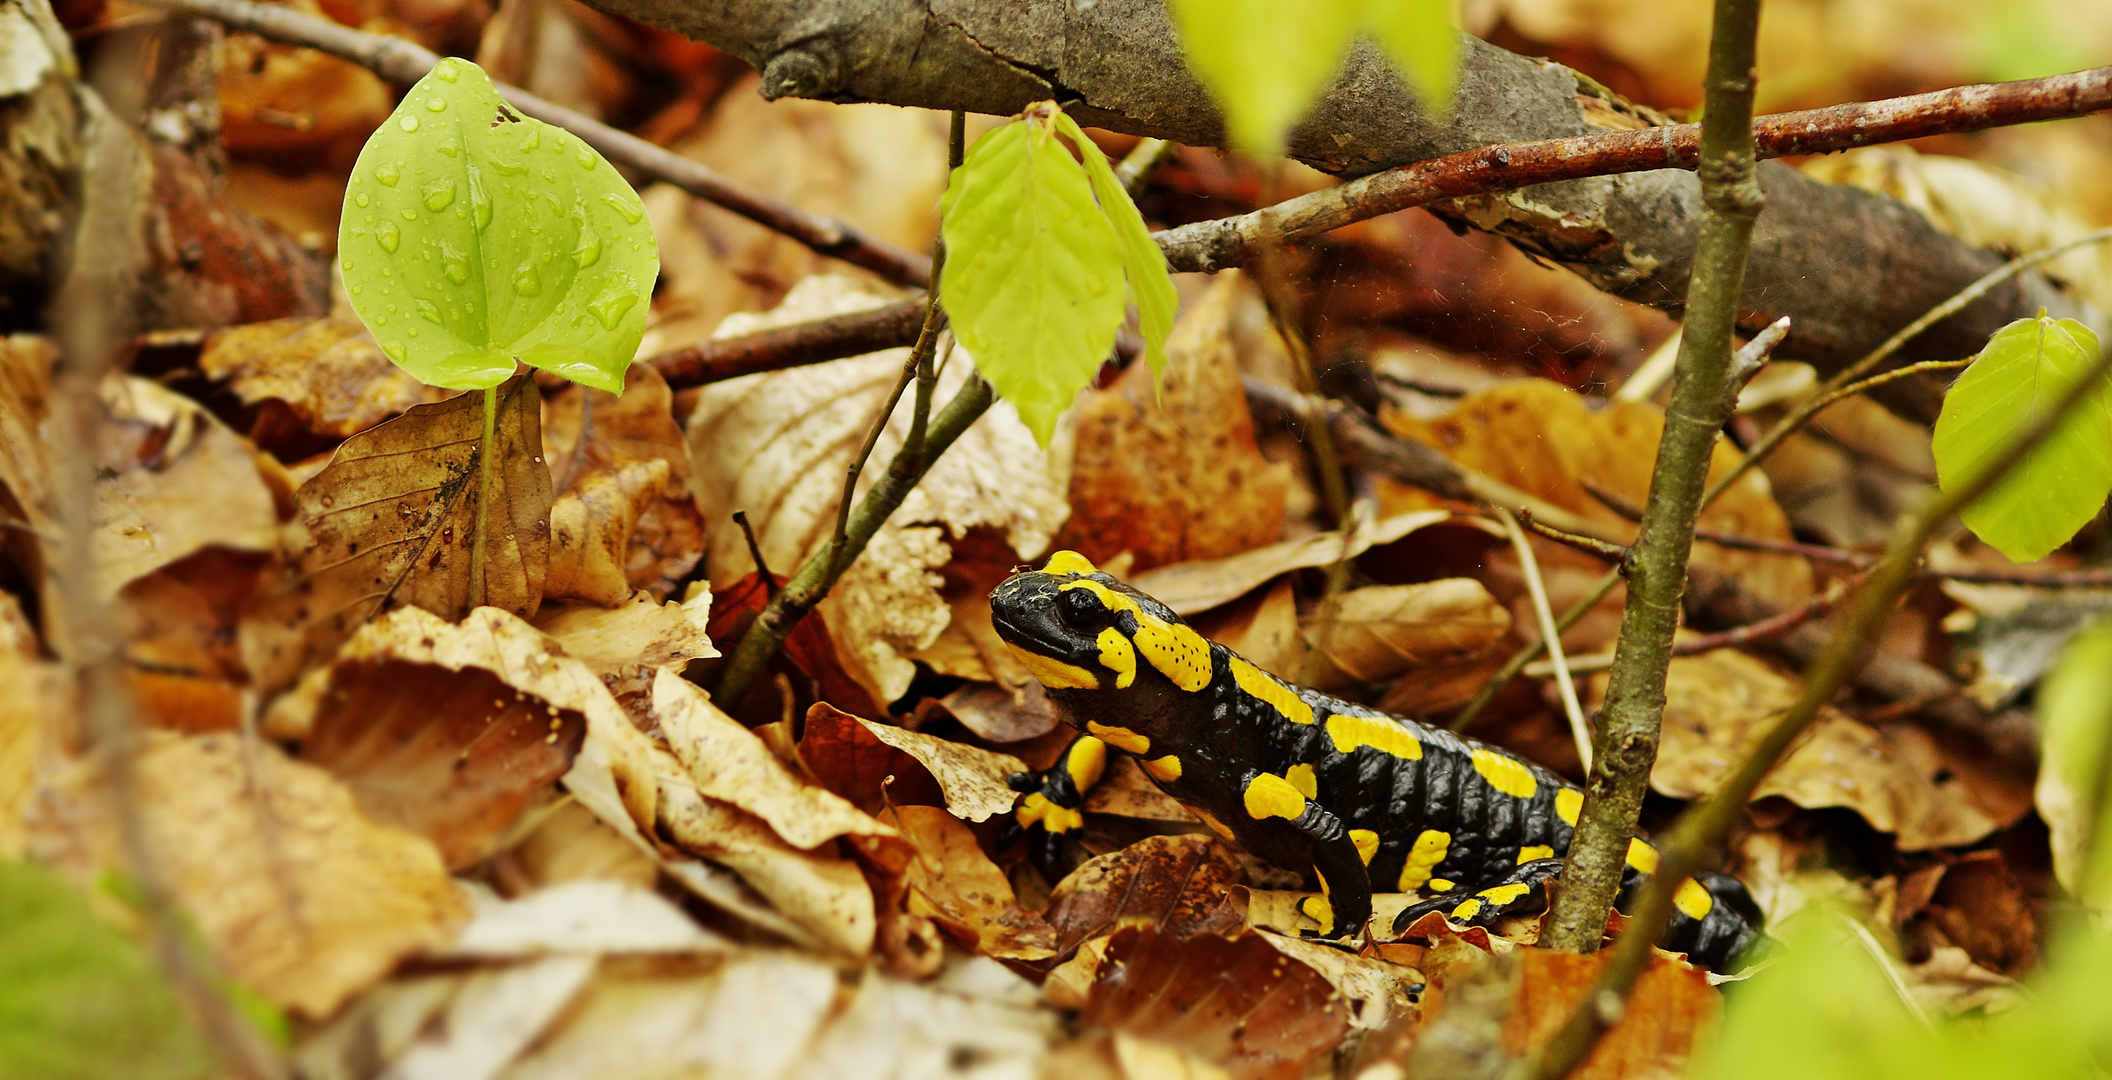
column 1264, row 61
column 1149, row 284
column 473, row 236
column 78, row 999
column 2026, row 368
column 1033, row 278
column 1420, row 37
column 2075, row 730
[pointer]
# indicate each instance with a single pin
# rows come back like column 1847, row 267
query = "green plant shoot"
column 474, row 237
column 1265, row 62
column 1036, row 265
column 2075, row 730
column 2026, row 367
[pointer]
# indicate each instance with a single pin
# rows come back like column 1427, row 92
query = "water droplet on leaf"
column 436, row 104
column 439, row 195
column 407, row 122
column 450, row 146
column 453, row 263
column 388, row 172
column 344, row 264
column 479, row 199
column 610, row 306
column 632, row 213
column 430, row 311
column 534, row 137
column 527, row 282
column 587, row 158
column 505, row 167
column 387, row 236
column 448, row 70
column 360, row 199
column 394, row 350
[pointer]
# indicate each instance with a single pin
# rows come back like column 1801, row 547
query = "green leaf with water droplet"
column 473, row 236
column 1034, row 271
column 2025, row 370
column 1142, row 260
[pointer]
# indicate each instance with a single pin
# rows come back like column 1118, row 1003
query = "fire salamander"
column 1368, row 800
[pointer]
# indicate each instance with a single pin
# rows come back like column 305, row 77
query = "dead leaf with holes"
column 1380, row 632
column 390, row 525
column 1167, row 468
column 326, row 377
column 627, row 644
column 302, row 898
column 783, row 441
column 952, row 881
column 624, row 517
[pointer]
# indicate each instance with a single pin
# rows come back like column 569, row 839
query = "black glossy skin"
column 1225, row 735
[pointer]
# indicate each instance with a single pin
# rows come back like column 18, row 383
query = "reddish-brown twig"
column 833, row 338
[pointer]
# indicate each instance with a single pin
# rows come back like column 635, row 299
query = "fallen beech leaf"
column 999, row 715
column 1236, row 1002
column 302, row 899
column 1540, row 438
column 789, row 437
column 1376, row 633
column 1168, row 468
column 328, row 373
column 581, row 917
column 178, row 481
column 1672, row 1004
column 827, row 897
column 954, row 882
column 976, row 1018
column 848, row 759
column 1718, row 703
column 391, row 521
column 729, row 763
column 811, row 647
column 627, row 644
column 1261, row 627
column 1982, row 908
column 296, row 105
column 590, row 530
column 182, row 663
column 1176, row 883
column 492, row 1016
column 1199, row 585
column 1126, row 792
column 453, row 755
column 972, row 778
column 569, row 843
column 25, row 479
column 1375, row 990
column 652, row 536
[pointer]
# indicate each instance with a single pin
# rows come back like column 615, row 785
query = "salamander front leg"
column 1050, row 809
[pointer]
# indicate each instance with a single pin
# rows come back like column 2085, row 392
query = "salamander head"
column 1076, row 628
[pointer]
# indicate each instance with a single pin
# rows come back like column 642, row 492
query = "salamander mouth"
column 1022, row 612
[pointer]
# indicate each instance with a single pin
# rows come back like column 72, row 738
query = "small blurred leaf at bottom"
column 76, row 998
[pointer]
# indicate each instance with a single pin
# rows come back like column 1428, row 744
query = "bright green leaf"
column 473, row 237
column 1142, row 260
column 78, row 1000
column 1265, row 61
column 1420, row 37
column 2075, row 725
column 1033, row 278
column 2026, row 368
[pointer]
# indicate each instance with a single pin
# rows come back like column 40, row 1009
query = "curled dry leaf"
column 182, row 663
column 1374, row 989
column 590, row 530
column 624, row 517
column 590, row 917
column 972, row 778
column 627, row 644
column 951, row 880
column 811, row 647
column 25, row 479
column 391, row 522
column 727, row 762
column 1981, row 907
column 849, row 759
column 1376, row 633
column 1202, row 584
column 1718, row 703
column 1671, row 1005
column 781, row 443
column 327, row 373
column 1168, row 469
column 303, row 900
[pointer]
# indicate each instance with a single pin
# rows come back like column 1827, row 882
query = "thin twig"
column 1785, row 547
column 1136, row 165
column 404, row 62
column 1590, row 545
column 755, row 554
column 1549, row 634
column 1771, row 627
column 889, row 326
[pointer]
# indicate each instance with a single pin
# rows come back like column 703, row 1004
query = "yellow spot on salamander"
column 1069, row 562
column 1642, row 856
column 1350, row 732
column 1121, row 738
column 1054, row 673
column 1301, row 777
column 1270, row 689
column 1367, row 843
column 1269, row 795
column 1117, row 656
column 1205, row 817
column 1177, row 651
column 1086, row 762
column 1467, row 909
column 1429, row 850
column 1505, row 774
column 1036, row 809
column 1504, row 895
column 1165, row 770
column 1320, row 910
column 1438, row 884
column 1535, row 851
column 1568, row 803
column 1692, row 900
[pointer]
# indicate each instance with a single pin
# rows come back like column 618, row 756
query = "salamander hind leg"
column 1714, row 921
column 1518, row 894
column 1344, row 903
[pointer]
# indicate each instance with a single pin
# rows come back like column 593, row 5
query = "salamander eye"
column 1080, row 610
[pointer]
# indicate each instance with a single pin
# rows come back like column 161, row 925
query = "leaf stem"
column 481, row 526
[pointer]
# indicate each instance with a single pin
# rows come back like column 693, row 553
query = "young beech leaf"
column 1033, row 278
column 473, row 237
column 1420, row 37
column 2075, row 727
column 1142, row 260
column 2026, row 368
column 1264, row 61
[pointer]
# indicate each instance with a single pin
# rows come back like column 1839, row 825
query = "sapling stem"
column 480, row 529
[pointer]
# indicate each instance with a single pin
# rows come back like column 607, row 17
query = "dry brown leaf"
column 626, row 645
column 972, row 778
column 781, row 443
column 178, row 481
column 652, row 536
column 727, row 762
column 182, row 664
column 1541, row 438
column 1126, row 792
column 848, row 759
column 1178, row 884
column 1262, row 627
column 328, row 373
column 977, row 1018
column 1199, row 585
column 1167, row 468
column 25, row 479
column 1718, row 703
column 997, row 714
column 1376, row 633
column 390, row 523
column 1671, row 1005
column 570, row 844
column 295, row 105
column 590, row 530
column 302, row 899
column 952, row 881
column 36, row 716
column 580, row 917
column 1982, row 908
column 1236, row 1002
column 1375, row 989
